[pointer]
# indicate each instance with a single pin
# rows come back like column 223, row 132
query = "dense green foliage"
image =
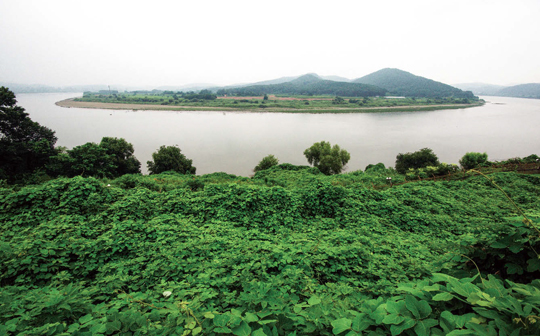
column 267, row 162
column 473, row 159
column 327, row 158
column 170, row 158
column 113, row 157
column 308, row 85
column 401, row 83
column 121, row 152
column 316, row 104
column 419, row 159
column 25, row 145
column 290, row 251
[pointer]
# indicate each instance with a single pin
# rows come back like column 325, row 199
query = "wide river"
column 234, row 142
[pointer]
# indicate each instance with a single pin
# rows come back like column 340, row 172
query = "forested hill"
column 531, row 90
column 309, row 84
column 402, row 83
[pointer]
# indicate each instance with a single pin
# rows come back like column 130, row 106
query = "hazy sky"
column 224, row 42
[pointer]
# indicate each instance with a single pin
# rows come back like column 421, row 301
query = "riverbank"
column 69, row 103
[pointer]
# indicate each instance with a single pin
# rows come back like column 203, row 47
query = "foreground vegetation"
column 289, row 251
column 294, row 250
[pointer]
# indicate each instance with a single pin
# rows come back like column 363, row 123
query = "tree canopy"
column 113, row 157
column 328, row 159
column 267, row 162
column 419, row 159
column 122, row 156
column 25, row 145
column 170, row 158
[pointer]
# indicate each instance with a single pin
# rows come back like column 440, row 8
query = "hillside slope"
column 480, row 89
column 531, row 90
column 310, row 85
column 402, row 83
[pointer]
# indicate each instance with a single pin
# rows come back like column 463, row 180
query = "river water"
column 234, row 142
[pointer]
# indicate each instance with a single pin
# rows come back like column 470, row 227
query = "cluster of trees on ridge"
column 28, row 151
column 308, row 85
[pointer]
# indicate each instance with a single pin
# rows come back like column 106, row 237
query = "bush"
column 329, row 160
column 376, row 167
column 170, row 158
column 266, row 162
column 419, row 159
column 472, row 160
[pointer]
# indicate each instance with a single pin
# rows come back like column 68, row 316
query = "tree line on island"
column 29, row 154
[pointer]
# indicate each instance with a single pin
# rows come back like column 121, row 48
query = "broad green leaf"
column 393, row 319
column 461, row 332
column 196, row 331
column 445, row 296
column 221, row 320
column 411, row 304
column 86, row 318
column 259, row 332
column 242, row 330
column 314, row 300
column 222, row 330
column 250, row 317
column 423, row 327
column 361, row 322
column 398, row 329
column 340, row 325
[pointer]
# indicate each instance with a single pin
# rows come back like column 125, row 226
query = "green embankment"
column 299, row 104
column 287, row 252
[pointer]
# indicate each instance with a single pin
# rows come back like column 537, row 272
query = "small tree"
column 473, row 159
column 90, row 159
column 266, row 162
column 121, row 153
column 25, row 145
column 329, row 160
column 419, row 159
column 170, row 158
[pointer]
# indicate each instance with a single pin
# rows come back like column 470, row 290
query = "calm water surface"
column 234, row 142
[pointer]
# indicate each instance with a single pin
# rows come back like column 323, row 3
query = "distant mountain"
column 480, row 89
column 403, row 83
column 38, row 88
column 531, row 90
column 310, row 84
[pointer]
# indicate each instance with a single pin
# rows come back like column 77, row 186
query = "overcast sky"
column 157, row 43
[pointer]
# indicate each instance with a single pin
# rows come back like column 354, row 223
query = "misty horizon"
column 64, row 43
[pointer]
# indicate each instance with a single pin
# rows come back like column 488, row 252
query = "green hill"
column 480, row 89
column 531, row 90
column 309, row 85
column 401, row 83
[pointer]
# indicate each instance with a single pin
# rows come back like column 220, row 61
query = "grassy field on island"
column 272, row 103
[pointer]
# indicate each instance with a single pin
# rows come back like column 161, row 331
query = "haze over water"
column 234, row 142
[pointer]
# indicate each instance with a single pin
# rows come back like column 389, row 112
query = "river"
column 234, row 142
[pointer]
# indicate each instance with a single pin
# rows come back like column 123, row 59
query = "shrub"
column 472, row 160
column 419, row 159
column 267, row 162
column 170, row 158
column 330, row 160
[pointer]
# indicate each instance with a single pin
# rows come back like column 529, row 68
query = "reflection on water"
column 234, row 142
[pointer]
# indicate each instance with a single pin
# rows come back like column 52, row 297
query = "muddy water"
column 234, row 142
